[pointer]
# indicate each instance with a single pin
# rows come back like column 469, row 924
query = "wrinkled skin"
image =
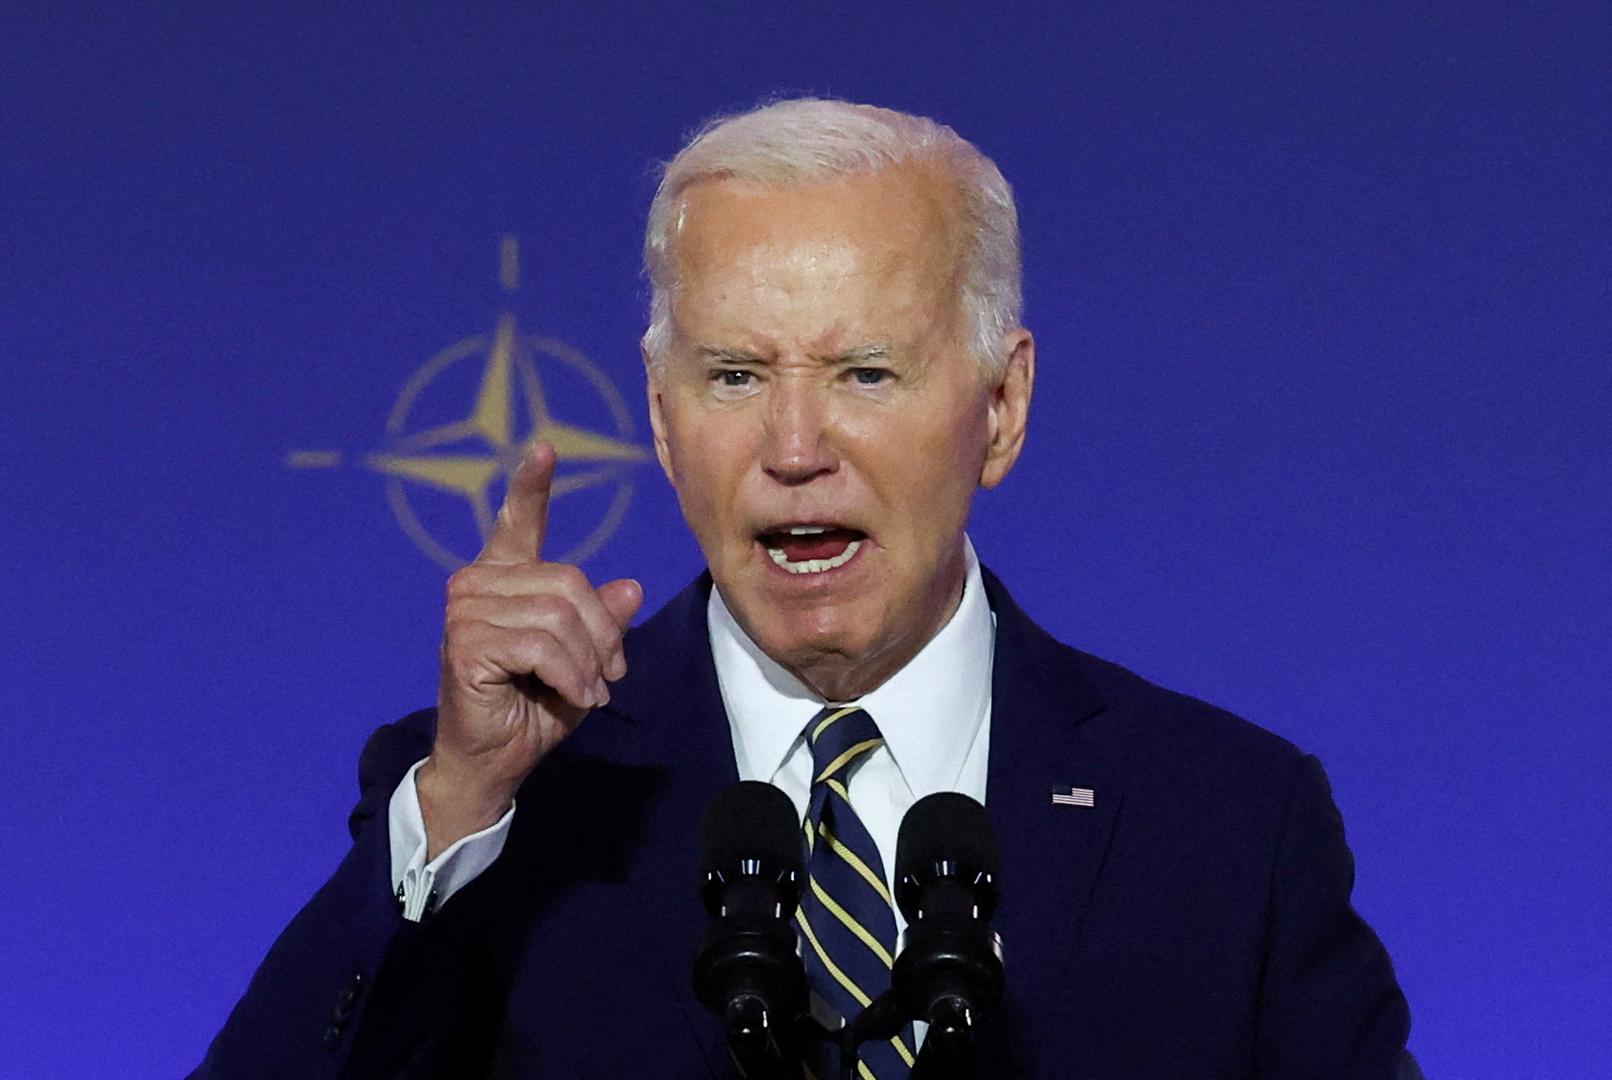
column 817, row 375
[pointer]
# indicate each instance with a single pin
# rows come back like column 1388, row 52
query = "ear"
column 654, row 379
column 1009, row 407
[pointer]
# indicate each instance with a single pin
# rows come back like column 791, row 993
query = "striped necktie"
column 845, row 915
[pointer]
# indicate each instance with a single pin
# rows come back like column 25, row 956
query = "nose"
column 799, row 446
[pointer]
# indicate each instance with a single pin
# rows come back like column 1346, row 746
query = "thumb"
column 622, row 599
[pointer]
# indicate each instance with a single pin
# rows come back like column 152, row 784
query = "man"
column 834, row 364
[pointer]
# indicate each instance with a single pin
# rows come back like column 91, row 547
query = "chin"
column 790, row 641
column 798, row 636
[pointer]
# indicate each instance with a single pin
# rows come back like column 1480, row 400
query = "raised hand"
column 528, row 648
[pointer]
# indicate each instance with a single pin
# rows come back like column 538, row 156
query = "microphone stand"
column 946, row 1044
column 762, row 1051
column 752, row 1040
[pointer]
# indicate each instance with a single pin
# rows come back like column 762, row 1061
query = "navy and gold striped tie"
column 845, row 915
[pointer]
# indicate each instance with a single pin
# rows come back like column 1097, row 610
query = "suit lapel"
column 672, row 695
column 1051, row 854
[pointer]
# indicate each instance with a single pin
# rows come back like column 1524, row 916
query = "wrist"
column 455, row 805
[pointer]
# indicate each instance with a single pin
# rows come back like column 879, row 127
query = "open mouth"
column 811, row 549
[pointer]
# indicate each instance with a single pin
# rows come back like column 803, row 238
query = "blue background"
column 1323, row 295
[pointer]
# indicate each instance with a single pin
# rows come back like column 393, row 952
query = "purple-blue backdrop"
column 1322, row 292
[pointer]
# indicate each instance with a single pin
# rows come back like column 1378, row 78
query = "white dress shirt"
column 934, row 715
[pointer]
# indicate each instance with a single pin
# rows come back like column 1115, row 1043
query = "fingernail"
column 617, row 667
column 601, row 693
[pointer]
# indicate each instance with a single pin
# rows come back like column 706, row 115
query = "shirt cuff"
column 420, row 886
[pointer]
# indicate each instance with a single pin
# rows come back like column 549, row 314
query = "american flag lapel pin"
column 1063, row 795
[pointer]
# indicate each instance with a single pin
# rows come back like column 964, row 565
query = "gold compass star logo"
column 463, row 422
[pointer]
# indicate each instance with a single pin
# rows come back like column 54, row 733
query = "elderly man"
column 835, row 364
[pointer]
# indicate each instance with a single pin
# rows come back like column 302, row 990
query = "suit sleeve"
column 1329, row 1004
column 311, row 993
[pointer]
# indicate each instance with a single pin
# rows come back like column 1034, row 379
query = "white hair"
column 797, row 142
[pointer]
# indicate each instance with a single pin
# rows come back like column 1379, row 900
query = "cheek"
column 941, row 471
column 707, row 459
column 950, row 449
column 685, row 435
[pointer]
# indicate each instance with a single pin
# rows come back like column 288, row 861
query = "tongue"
column 825, row 545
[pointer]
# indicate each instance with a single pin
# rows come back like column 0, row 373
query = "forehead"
column 889, row 237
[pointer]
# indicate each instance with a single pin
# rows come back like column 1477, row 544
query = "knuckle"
column 577, row 632
column 464, row 582
column 542, row 656
column 455, row 628
column 567, row 615
column 508, row 518
column 543, row 647
column 569, row 578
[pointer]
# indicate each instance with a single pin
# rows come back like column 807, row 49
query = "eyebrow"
column 728, row 356
column 861, row 354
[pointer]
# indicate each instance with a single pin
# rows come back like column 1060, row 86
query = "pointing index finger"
column 517, row 535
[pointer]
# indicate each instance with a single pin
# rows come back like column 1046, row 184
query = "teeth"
column 814, row 566
column 807, row 530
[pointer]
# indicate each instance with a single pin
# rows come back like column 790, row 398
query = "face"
column 821, row 419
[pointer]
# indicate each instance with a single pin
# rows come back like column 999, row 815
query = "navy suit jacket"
column 1194, row 922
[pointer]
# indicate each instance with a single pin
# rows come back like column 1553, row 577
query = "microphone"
column 949, row 972
column 748, row 970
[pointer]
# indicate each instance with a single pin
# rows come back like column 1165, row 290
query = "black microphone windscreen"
column 946, row 826
column 753, row 820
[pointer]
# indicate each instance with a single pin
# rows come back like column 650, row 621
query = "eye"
column 870, row 376
column 732, row 384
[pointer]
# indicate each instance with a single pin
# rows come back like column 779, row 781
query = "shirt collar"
column 928, row 712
